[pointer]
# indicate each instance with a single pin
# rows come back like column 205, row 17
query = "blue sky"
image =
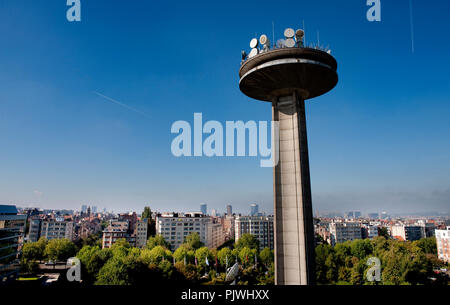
column 379, row 141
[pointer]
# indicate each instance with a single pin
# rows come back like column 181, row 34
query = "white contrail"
column 412, row 25
column 121, row 104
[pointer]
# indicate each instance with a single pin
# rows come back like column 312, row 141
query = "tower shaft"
column 294, row 237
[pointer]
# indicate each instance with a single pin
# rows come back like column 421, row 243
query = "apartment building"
column 259, row 226
column 443, row 244
column 344, row 231
column 141, row 232
column 174, row 227
column 407, row 232
column 117, row 230
column 57, row 228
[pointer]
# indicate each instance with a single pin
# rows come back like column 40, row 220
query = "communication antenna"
column 273, row 33
column 318, row 39
column 254, row 46
column 265, row 42
column 304, row 29
column 289, row 35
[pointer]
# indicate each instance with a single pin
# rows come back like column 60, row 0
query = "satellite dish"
column 280, row 43
column 232, row 273
column 299, row 34
column 253, row 43
column 263, row 40
column 289, row 33
column 290, row 43
column 253, row 52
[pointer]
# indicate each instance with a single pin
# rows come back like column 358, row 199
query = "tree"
column 155, row 255
column 247, row 256
column 193, row 242
column 361, row 248
column 427, row 245
column 92, row 259
column 181, row 253
column 267, row 257
column 201, row 254
column 225, row 255
column 122, row 270
column 247, row 240
column 383, row 232
column 34, row 251
column 157, row 240
column 59, row 250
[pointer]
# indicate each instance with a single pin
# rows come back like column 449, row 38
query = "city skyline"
column 380, row 141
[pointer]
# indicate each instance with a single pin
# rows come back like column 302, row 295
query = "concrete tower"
column 286, row 76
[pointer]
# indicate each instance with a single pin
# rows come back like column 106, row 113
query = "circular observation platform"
column 280, row 72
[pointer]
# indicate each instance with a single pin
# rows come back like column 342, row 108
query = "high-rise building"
column 443, row 244
column 285, row 76
column 254, row 209
column 12, row 230
column 83, row 208
column 259, row 226
column 203, row 208
column 229, row 210
column 94, row 209
column 344, row 231
column 213, row 213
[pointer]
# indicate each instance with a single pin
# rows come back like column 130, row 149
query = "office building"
column 254, row 209
column 12, row 230
column 229, row 210
column 203, row 208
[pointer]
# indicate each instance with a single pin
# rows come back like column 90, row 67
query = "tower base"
column 294, row 229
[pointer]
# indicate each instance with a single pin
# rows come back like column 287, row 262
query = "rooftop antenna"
column 273, row 34
column 304, row 30
column 411, row 24
column 318, row 39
